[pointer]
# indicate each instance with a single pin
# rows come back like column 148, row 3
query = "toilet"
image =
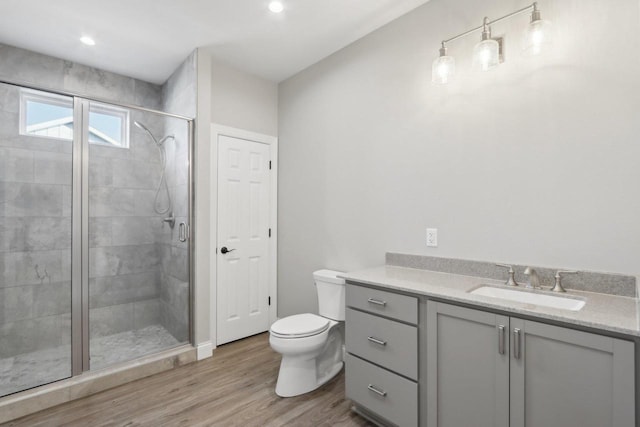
column 312, row 346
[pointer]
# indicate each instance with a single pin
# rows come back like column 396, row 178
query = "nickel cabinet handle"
column 516, row 343
column 377, row 302
column 377, row 341
column 501, row 337
column 377, row 391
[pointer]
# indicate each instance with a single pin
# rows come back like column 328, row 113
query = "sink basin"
column 544, row 300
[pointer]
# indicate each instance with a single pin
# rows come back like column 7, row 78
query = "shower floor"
column 29, row 370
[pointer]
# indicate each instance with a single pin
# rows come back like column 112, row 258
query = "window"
column 51, row 116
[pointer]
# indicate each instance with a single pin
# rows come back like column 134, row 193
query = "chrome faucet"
column 511, row 281
column 533, row 281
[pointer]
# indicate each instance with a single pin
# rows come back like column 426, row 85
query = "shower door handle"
column 182, row 232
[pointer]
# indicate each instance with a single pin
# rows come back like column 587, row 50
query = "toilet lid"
column 300, row 325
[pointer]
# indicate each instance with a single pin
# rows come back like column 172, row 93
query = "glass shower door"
column 138, row 267
column 36, row 140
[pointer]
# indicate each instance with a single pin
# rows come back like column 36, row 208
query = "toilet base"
column 298, row 377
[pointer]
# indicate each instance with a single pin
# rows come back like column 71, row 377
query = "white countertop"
column 602, row 311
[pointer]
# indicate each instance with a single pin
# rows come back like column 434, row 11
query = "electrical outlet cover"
column 432, row 237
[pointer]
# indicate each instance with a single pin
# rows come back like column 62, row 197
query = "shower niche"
column 94, row 250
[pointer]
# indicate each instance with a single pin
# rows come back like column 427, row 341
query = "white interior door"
column 243, row 232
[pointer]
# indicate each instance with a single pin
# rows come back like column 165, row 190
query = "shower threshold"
column 33, row 369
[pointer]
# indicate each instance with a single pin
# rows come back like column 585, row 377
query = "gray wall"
column 532, row 163
column 242, row 100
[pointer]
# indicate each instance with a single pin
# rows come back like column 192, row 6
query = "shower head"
column 146, row 129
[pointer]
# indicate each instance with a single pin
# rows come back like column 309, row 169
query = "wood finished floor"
column 234, row 388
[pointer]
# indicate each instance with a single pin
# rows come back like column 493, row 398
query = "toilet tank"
column 331, row 291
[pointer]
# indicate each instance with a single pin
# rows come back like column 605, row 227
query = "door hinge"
column 269, row 300
column 269, row 232
column 269, row 164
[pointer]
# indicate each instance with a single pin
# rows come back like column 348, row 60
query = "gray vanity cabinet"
column 467, row 367
column 382, row 354
column 563, row 377
column 489, row 370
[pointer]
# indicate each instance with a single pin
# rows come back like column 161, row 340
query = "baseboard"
column 204, row 350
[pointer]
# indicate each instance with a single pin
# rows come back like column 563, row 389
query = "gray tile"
column 104, row 201
column 16, row 303
column 110, row 320
column 51, row 298
column 148, row 95
column 136, row 174
column 100, row 171
column 134, row 230
column 9, row 97
column 31, row 67
column 98, row 83
column 43, row 233
column 182, row 168
column 119, row 260
column 67, row 199
column 144, row 201
column 146, row 313
column 100, row 232
column 32, row 268
column 52, row 168
column 28, row 335
column 16, row 165
column 30, row 199
column 34, row 143
column 113, row 290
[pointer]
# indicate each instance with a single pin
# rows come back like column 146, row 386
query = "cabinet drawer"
column 396, row 398
column 396, row 306
column 384, row 342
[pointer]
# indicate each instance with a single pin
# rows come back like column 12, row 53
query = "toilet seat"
column 299, row 326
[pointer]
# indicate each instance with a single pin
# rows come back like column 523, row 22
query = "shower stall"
column 94, row 235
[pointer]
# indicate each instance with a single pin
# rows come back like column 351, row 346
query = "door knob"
column 224, row 250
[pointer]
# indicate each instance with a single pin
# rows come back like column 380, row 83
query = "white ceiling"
column 148, row 39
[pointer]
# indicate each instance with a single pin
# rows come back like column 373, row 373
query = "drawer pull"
column 377, row 390
column 377, row 302
column 377, row 341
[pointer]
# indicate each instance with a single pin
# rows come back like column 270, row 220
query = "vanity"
column 439, row 349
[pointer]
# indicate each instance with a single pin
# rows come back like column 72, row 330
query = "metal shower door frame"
column 80, row 219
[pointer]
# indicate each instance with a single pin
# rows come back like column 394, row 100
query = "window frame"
column 31, row 95
column 27, row 95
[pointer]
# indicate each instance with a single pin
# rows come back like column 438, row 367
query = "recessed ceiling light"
column 276, row 6
column 87, row 40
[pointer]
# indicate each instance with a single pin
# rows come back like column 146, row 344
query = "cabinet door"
column 562, row 377
column 467, row 367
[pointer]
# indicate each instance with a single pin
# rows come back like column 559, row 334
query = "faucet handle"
column 511, row 281
column 558, row 286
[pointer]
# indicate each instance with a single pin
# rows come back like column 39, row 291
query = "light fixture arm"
column 486, row 24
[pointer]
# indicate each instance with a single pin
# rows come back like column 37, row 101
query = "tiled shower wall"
column 124, row 264
column 179, row 94
column 138, row 273
column 35, row 236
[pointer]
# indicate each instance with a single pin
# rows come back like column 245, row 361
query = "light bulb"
column 276, row 6
column 486, row 55
column 87, row 40
column 443, row 68
column 537, row 37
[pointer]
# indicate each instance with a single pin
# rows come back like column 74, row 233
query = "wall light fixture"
column 487, row 54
